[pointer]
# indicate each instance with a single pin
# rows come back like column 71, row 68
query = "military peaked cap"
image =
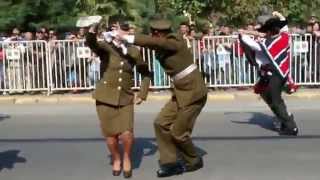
column 160, row 24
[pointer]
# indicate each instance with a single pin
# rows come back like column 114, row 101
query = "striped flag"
column 278, row 52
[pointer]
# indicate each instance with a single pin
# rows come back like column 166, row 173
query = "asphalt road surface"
column 236, row 140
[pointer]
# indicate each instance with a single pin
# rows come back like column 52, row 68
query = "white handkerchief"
column 88, row 21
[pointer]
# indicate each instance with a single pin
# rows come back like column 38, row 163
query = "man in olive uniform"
column 174, row 124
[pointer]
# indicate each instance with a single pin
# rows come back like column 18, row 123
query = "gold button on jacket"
column 117, row 76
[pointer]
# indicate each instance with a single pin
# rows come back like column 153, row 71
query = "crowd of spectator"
column 29, row 68
column 220, row 59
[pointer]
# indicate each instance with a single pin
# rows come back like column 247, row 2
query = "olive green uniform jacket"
column 117, row 75
column 174, row 56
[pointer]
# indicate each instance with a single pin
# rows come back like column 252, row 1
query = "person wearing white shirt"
column 272, row 56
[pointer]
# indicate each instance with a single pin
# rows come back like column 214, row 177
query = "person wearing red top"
column 272, row 56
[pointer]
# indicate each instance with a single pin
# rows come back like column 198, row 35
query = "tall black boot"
column 289, row 128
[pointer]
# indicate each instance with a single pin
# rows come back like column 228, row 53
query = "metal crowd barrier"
column 222, row 62
column 305, row 59
column 72, row 66
column 24, row 67
column 160, row 79
column 30, row 66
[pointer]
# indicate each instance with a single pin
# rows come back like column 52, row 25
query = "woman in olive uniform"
column 114, row 97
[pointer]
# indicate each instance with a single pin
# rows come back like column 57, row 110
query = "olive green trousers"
column 173, row 128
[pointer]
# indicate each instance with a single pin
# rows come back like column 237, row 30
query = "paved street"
column 63, row 142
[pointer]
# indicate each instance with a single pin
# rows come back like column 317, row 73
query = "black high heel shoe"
column 116, row 173
column 127, row 174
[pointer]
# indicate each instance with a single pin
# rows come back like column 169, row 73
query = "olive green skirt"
column 115, row 120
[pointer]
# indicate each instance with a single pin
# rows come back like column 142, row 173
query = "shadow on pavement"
column 4, row 116
column 259, row 119
column 147, row 147
column 142, row 147
column 9, row 158
column 198, row 138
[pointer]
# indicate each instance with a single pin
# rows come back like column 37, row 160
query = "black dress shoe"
column 171, row 169
column 116, row 173
column 194, row 167
column 127, row 174
column 289, row 128
column 289, row 132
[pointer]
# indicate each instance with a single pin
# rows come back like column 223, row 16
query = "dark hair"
column 166, row 31
column 184, row 24
column 273, row 26
column 274, row 30
column 122, row 20
column 124, row 25
column 113, row 20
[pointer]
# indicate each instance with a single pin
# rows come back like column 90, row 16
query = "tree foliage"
column 31, row 14
column 62, row 14
column 239, row 12
column 137, row 11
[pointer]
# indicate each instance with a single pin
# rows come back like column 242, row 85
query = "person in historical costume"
column 272, row 57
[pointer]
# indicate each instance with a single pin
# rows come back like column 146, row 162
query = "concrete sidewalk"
column 220, row 95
